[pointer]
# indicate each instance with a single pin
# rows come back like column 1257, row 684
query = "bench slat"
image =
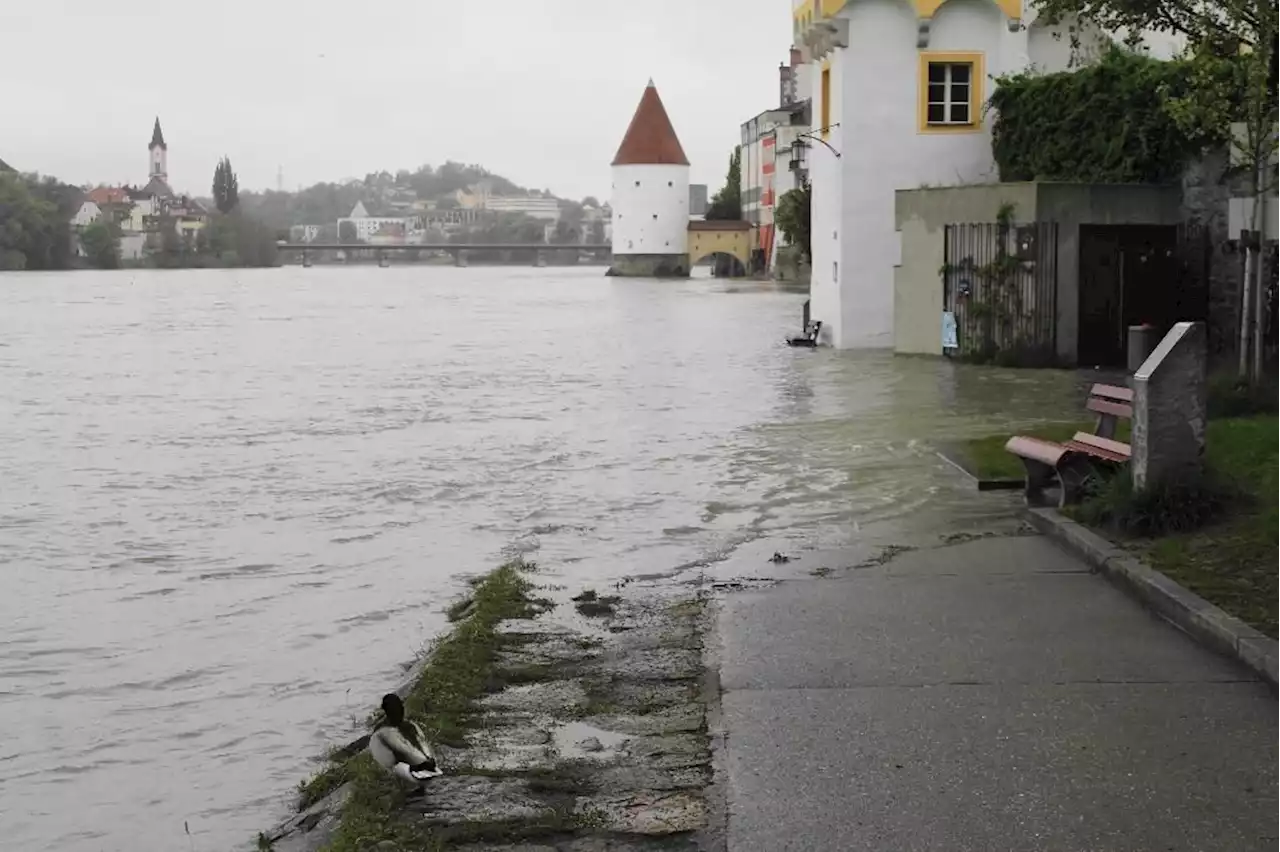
column 1112, row 392
column 1102, row 406
column 1036, row 449
column 1102, row 447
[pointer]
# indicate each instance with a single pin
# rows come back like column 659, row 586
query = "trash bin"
column 1142, row 340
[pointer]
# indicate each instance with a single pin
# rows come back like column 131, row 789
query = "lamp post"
column 799, row 146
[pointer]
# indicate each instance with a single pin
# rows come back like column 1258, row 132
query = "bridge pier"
column 540, row 259
column 460, row 257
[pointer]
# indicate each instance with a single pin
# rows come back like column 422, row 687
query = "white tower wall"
column 650, row 209
column 159, row 166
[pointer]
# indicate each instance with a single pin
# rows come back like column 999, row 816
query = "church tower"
column 650, row 196
column 159, row 165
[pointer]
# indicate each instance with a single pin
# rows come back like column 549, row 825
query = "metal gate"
column 1000, row 287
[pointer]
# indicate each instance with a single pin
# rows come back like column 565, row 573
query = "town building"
column 156, row 204
column 379, row 229
column 898, row 95
column 650, row 195
column 766, row 152
column 698, row 201
column 86, row 214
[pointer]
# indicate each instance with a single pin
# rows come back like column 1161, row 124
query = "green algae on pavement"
column 457, row 670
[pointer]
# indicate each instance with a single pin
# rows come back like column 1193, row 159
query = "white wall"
column 86, row 215
column 827, row 201
column 650, row 209
column 132, row 245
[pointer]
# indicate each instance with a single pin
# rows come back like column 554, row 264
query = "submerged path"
column 987, row 694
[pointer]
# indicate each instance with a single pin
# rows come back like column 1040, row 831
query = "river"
column 234, row 503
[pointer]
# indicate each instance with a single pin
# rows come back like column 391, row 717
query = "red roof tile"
column 650, row 140
column 108, row 195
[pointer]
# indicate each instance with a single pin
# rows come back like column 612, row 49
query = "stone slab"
column 1000, row 610
column 1184, row 766
column 1208, row 624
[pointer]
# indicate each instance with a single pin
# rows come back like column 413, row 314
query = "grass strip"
column 457, row 669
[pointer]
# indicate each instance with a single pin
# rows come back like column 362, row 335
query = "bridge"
column 449, row 247
column 458, row 250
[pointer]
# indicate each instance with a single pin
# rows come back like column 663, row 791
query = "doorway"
column 1129, row 275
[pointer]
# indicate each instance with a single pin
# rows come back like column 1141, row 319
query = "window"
column 950, row 91
column 950, row 84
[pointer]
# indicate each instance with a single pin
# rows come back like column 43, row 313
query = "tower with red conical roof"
column 650, row 196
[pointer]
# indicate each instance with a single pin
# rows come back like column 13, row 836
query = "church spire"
column 157, row 137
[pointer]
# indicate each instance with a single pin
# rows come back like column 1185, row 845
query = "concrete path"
column 991, row 695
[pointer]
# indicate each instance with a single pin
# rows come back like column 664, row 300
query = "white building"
column 382, row 229
column 86, row 214
column 899, row 88
column 766, row 140
column 304, row 233
column 650, row 195
column 546, row 209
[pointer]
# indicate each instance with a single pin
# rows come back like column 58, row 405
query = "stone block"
column 1170, row 407
column 650, row 266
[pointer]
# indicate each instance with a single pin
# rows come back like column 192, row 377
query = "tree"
column 34, row 222
column 727, row 203
column 226, row 188
column 565, row 233
column 101, row 243
column 590, row 201
column 792, row 218
column 1232, row 47
column 347, row 232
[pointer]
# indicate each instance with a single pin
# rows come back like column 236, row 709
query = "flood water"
column 233, row 503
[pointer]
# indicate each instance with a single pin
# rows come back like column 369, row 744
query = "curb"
column 1204, row 622
column 982, row 484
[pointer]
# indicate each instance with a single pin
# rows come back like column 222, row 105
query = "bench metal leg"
column 1039, row 477
column 1077, row 475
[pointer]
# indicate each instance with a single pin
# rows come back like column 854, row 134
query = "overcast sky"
column 537, row 90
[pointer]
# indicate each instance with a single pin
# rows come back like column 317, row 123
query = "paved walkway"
column 992, row 695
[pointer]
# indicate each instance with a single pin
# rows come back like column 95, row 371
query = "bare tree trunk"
column 1251, row 293
column 1259, row 312
column 1246, row 303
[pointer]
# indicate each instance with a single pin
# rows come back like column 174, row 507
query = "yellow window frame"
column 977, row 76
column 824, row 88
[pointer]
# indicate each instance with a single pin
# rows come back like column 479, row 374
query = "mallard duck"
column 399, row 746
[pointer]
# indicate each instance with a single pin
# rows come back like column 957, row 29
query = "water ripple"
column 235, row 502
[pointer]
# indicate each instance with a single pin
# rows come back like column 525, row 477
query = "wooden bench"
column 1072, row 465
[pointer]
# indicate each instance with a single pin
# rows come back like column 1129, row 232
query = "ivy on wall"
column 1106, row 123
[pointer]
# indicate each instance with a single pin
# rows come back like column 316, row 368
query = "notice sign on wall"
column 950, row 339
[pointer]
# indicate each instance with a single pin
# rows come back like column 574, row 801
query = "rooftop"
column 650, row 139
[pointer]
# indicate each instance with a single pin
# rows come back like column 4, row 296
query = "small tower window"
column 669, row 183
column 655, row 216
column 637, row 183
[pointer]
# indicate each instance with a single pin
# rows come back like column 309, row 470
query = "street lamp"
column 799, row 146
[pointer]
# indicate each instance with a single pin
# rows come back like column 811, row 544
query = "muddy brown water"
column 233, row 503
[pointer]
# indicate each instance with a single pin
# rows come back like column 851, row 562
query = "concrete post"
column 1170, row 407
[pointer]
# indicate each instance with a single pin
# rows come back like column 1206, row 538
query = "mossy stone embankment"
column 569, row 736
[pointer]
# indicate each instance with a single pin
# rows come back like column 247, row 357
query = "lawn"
column 1232, row 563
column 986, row 457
